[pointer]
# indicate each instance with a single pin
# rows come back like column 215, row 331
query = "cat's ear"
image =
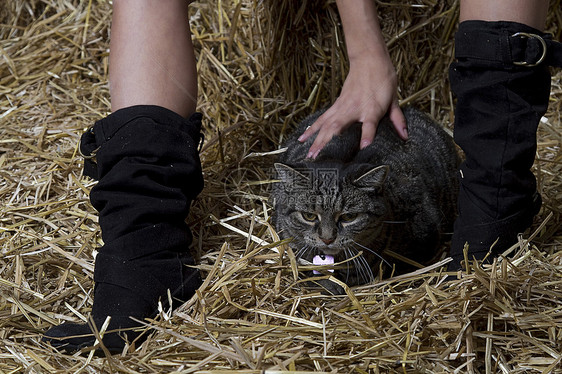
column 373, row 178
column 290, row 176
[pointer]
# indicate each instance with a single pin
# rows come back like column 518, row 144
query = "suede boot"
column 502, row 84
column 147, row 163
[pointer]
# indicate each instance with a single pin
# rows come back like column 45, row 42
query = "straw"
column 263, row 66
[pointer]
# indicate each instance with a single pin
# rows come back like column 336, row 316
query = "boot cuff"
column 107, row 128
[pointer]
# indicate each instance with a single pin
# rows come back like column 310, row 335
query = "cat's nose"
column 327, row 241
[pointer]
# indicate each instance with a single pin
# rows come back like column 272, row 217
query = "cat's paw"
column 326, row 286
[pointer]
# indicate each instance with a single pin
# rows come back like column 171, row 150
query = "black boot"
column 147, row 163
column 502, row 84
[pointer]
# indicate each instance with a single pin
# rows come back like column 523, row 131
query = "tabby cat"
column 354, row 207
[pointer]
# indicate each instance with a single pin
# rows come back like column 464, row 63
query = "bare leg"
column 152, row 60
column 529, row 12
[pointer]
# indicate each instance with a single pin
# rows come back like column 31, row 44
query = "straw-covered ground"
column 263, row 66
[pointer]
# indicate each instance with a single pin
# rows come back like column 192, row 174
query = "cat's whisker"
column 368, row 270
column 347, row 255
column 373, row 252
column 359, row 266
column 301, row 252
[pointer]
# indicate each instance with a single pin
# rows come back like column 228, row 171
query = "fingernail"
column 312, row 154
column 405, row 133
column 364, row 143
column 301, row 138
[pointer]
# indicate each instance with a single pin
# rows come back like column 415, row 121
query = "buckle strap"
column 506, row 43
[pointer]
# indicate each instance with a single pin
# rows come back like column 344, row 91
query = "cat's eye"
column 310, row 217
column 348, row 217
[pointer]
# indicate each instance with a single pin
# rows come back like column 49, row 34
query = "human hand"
column 368, row 93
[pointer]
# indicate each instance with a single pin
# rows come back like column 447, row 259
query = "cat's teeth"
column 323, row 260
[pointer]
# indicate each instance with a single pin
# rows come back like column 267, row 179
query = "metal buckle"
column 92, row 155
column 543, row 44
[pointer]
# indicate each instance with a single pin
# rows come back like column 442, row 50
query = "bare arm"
column 369, row 91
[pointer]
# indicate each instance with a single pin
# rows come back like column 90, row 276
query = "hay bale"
column 252, row 314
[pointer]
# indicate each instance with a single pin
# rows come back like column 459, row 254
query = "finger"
column 398, row 120
column 325, row 134
column 368, row 131
column 314, row 128
column 321, row 140
column 307, row 134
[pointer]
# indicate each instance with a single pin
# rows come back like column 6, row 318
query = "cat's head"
column 330, row 209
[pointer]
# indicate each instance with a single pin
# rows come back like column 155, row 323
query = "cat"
column 356, row 207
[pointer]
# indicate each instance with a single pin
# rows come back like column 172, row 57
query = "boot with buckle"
column 502, row 84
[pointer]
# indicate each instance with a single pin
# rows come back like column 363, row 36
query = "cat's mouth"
column 323, row 260
column 322, row 252
column 329, row 251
